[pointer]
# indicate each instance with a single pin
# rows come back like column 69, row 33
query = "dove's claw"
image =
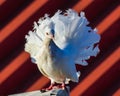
column 48, row 89
column 63, row 86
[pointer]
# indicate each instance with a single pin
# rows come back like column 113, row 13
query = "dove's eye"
column 47, row 33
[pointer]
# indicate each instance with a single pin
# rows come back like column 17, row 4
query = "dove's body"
column 50, row 66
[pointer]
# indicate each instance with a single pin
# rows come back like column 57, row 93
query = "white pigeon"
column 57, row 43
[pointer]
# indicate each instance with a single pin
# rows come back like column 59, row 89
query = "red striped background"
column 100, row 78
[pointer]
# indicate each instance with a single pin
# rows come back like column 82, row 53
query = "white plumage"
column 58, row 42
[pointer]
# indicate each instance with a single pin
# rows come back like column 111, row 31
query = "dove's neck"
column 47, row 41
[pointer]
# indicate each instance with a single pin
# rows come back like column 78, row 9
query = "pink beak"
column 52, row 36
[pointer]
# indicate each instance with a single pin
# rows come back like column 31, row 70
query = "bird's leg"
column 63, row 86
column 50, row 87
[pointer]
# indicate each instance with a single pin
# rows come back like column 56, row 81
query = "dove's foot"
column 61, row 86
column 48, row 89
column 54, row 86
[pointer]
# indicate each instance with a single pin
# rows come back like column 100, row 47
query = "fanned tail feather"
column 73, row 33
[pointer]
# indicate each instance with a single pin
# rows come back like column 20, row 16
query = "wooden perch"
column 54, row 92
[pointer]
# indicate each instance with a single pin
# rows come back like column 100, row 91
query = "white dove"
column 57, row 43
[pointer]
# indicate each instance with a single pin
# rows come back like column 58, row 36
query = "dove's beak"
column 52, row 36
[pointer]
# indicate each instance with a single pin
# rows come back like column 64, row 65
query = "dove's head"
column 50, row 34
column 49, row 30
column 47, row 26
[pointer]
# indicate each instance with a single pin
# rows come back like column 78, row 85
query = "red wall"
column 100, row 78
